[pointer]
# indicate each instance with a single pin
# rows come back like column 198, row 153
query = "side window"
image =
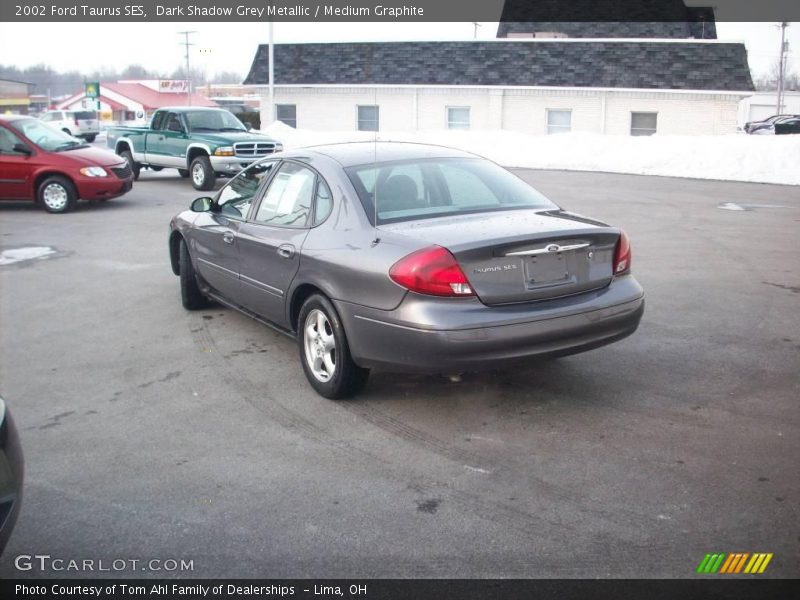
column 174, row 122
column 47, row 117
column 287, row 202
column 234, row 199
column 7, row 141
column 324, row 202
column 158, row 120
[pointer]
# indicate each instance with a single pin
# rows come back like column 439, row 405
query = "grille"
column 123, row 172
column 253, row 149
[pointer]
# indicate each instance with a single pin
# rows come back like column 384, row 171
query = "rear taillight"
column 432, row 271
column 622, row 254
column 76, row 121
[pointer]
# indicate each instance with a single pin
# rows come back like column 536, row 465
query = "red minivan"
column 54, row 169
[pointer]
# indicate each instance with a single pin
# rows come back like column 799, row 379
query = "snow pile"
column 736, row 157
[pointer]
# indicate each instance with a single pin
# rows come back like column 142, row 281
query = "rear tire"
column 57, row 194
column 325, row 353
column 203, row 176
column 90, row 138
column 191, row 296
column 135, row 167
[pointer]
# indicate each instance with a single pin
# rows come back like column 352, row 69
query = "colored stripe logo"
column 734, row 563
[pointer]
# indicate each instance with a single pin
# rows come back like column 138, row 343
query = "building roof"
column 689, row 65
column 608, row 18
column 152, row 99
column 140, row 94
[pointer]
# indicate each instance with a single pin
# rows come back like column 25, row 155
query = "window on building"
column 643, row 123
column 286, row 113
column 559, row 121
column 368, row 118
column 458, row 117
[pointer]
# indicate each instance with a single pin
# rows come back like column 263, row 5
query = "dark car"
column 787, row 126
column 404, row 257
column 55, row 169
column 11, row 474
column 755, row 126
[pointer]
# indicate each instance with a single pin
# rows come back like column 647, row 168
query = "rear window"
column 408, row 190
column 85, row 115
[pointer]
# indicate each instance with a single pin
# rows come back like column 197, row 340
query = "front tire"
column 203, row 176
column 57, row 194
column 325, row 353
column 135, row 167
column 191, row 296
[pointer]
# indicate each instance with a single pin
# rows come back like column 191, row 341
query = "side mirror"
column 22, row 149
column 202, row 204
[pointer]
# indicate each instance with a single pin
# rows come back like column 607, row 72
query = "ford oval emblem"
column 553, row 248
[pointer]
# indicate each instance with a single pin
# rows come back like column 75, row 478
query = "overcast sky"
column 230, row 46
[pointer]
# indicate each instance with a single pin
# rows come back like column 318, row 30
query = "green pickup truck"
column 204, row 143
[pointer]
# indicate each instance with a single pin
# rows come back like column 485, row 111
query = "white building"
column 539, row 85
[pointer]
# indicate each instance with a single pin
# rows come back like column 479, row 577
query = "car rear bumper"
column 437, row 335
column 102, row 188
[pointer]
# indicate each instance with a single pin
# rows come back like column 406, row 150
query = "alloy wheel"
column 320, row 345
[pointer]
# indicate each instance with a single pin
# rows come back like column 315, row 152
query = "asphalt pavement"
column 154, row 433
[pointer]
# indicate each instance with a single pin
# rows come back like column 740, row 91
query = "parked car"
column 77, row 123
column 12, row 472
column 202, row 142
column 404, row 257
column 755, row 126
column 783, row 126
column 54, row 169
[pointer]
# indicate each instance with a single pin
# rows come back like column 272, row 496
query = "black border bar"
column 708, row 588
column 391, row 10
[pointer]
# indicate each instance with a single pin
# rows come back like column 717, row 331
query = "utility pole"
column 185, row 43
column 782, row 68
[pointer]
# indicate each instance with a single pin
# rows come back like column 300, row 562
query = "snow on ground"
column 735, row 157
column 15, row 255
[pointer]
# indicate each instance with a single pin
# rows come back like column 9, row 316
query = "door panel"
column 216, row 253
column 15, row 169
column 270, row 258
column 270, row 244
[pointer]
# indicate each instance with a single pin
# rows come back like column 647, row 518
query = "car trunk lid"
column 523, row 255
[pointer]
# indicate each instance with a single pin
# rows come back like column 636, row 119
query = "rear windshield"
column 85, row 115
column 426, row 188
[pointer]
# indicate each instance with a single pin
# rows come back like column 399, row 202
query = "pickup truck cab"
column 202, row 143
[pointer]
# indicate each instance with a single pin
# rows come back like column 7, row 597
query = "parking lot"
column 155, row 433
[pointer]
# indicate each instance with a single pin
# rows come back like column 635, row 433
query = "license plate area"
column 547, row 270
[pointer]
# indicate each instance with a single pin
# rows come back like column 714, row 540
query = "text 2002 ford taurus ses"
column 462, row 266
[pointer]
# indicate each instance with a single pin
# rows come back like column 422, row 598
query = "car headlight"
column 94, row 172
column 278, row 147
column 224, row 151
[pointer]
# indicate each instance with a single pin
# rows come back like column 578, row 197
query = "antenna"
column 377, row 239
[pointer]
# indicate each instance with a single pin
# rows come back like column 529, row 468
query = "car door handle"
column 286, row 251
column 228, row 237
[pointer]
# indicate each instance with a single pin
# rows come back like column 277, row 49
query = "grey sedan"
column 404, row 257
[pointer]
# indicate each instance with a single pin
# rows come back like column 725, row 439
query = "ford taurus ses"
column 404, row 257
